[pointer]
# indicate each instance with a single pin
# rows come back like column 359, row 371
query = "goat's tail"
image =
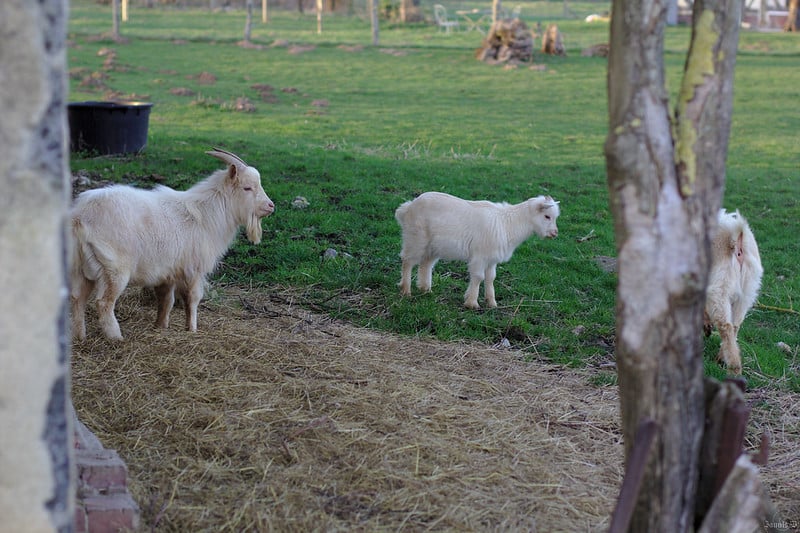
column 84, row 264
column 400, row 212
column 735, row 232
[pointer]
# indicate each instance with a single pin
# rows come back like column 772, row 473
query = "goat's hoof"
column 472, row 305
column 733, row 368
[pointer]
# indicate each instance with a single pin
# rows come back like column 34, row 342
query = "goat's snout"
column 267, row 208
column 553, row 233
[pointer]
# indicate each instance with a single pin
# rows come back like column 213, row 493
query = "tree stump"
column 508, row 40
column 552, row 43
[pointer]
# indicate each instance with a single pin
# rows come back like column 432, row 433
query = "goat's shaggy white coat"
column 437, row 226
column 733, row 285
column 162, row 238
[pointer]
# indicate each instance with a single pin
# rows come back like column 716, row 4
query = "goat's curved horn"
column 228, row 157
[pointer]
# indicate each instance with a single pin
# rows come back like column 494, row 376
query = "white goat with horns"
column 161, row 238
column 437, row 226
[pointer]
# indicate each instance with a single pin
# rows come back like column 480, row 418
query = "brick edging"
column 103, row 503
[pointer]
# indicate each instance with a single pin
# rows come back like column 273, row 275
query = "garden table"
column 476, row 19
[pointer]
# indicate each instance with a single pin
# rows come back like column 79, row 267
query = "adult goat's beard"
column 254, row 231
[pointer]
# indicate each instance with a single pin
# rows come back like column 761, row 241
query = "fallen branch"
column 779, row 309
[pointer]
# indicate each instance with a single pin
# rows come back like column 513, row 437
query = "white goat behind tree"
column 438, row 226
column 733, row 283
column 161, row 238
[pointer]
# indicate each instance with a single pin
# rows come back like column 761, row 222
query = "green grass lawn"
column 358, row 129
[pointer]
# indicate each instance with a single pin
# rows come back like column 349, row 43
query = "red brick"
column 100, row 471
column 111, row 513
column 81, row 520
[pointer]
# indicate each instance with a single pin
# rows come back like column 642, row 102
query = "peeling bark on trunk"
column 666, row 181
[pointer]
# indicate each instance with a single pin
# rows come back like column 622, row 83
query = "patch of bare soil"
column 273, row 418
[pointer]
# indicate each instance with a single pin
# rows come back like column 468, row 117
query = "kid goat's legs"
column 479, row 272
column 425, row 274
column 488, row 286
column 405, row 278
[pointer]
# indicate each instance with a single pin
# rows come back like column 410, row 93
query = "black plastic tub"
column 108, row 127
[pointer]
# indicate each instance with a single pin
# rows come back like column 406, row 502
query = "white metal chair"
column 441, row 20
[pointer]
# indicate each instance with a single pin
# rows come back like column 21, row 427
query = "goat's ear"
column 547, row 204
column 236, row 163
column 233, row 173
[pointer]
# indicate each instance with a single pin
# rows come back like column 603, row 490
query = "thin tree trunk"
column 248, row 24
column 791, row 19
column 497, row 9
column 373, row 15
column 664, row 196
column 115, row 16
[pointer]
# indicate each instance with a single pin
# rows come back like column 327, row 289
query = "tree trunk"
column 497, row 8
column 373, row 16
column 115, row 16
column 37, row 457
column 664, row 194
column 248, row 24
column 409, row 12
column 791, row 19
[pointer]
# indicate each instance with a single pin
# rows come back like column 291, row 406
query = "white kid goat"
column 162, row 238
column 440, row 226
column 733, row 284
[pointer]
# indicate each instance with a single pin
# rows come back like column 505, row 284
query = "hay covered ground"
column 272, row 418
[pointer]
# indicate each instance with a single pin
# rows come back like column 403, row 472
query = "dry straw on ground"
column 272, row 418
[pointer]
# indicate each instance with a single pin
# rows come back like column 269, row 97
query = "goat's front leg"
column 488, row 286
column 165, row 296
column 476, row 275
column 425, row 274
column 191, row 299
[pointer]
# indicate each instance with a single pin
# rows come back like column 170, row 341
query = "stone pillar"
column 37, row 485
